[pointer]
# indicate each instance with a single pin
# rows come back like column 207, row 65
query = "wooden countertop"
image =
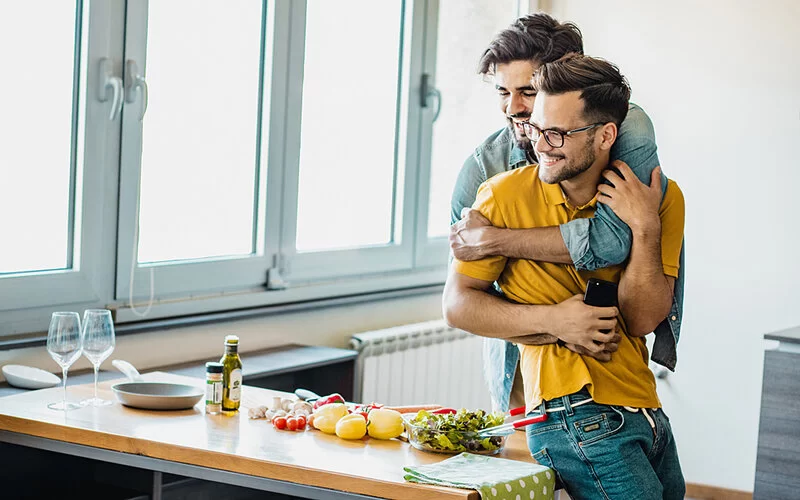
column 233, row 443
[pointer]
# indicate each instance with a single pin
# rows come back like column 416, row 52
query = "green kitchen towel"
column 494, row 478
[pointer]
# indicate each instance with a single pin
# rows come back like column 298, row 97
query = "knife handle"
column 306, row 395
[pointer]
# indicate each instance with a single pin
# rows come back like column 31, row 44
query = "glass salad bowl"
column 454, row 433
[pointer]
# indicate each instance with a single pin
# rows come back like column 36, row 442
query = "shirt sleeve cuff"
column 576, row 238
column 473, row 271
column 670, row 270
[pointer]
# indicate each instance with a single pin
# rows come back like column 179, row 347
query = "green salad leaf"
column 456, row 432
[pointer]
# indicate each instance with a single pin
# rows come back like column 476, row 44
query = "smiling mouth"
column 518, row 129
column 549, row 161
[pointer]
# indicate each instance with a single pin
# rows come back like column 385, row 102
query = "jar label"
column 236, row 385
column 213, row 392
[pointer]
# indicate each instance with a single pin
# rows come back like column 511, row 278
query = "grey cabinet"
column 778, row 459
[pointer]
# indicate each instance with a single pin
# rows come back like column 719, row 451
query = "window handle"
column 107, row 81
column 426, row 92
column 135, row 81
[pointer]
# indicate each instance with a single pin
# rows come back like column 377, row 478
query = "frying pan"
column 153, row 395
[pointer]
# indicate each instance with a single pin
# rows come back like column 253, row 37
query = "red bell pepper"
column 331, row 398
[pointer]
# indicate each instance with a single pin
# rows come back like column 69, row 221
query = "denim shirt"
column 593, row 243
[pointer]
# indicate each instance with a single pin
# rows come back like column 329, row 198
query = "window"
column 199, row 142
column 349, row 125
column 192, row 145
column 468, row 111
column 354, row 124
column 54, row 196
column 40, row 236
column 274, row 152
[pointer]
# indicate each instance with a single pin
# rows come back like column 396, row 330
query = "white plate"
column 28, row 377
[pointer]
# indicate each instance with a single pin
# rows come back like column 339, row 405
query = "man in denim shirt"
column 589, row 244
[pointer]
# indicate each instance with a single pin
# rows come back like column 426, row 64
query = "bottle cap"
column 231, row 340
column 213, row 367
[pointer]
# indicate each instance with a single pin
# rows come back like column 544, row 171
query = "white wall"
column 720, row 81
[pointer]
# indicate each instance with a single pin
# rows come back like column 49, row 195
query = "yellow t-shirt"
column 519, row 199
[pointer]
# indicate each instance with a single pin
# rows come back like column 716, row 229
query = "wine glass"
column 64, row 346
column 98, row 344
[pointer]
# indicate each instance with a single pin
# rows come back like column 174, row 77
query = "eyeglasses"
column 555, row 138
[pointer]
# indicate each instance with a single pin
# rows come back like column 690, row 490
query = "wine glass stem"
column 64, row 373
column 96, row 368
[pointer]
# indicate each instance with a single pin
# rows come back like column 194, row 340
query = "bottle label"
column 213, row 392
column 236, row 385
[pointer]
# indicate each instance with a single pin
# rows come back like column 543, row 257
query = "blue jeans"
column 607, row 452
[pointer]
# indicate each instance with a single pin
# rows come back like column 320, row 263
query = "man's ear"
column 608, row 135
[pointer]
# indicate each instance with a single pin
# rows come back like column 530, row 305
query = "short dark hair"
column 535, row 37
column 604, row 91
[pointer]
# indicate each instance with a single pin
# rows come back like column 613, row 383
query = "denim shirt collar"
column 517, row 156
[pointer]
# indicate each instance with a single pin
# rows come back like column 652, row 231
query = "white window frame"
column 116, row 30
column 428, row 252
column 182, row 278
column 307, row 267
column 26, row 300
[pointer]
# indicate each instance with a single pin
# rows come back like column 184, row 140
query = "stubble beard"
column 522, row 142
column 573, row 167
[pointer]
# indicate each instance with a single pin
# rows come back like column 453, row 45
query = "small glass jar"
column 213, row 387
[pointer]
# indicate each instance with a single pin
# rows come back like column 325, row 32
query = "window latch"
column 107, row 81
column 426, row 92
column 134, row 81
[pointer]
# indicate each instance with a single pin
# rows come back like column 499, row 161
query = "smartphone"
column 600, row 293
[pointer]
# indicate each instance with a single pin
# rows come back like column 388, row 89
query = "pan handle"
column 127, row 369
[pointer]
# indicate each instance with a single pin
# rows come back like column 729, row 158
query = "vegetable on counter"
column 284, row 413
column 385, row 424
column 330, row 398
column 365, row 409
column 353, row 426
column 455, row 432
column 326, row 417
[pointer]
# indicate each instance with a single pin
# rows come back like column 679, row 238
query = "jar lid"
column 213, row 367
column 231, row 340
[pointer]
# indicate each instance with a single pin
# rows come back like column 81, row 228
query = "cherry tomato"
column 301, row 423
column 291, row 423
column 279, row 422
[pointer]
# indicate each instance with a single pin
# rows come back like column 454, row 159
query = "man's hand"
column 634, row 202
column 604, row 355
column 543, row 339
column 580, row 324
column 470, row 237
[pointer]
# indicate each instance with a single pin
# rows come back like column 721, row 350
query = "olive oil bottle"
column 231, row 375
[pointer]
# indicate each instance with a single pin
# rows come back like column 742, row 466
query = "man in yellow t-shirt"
column 605, row 433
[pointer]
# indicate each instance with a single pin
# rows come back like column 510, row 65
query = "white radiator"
column 422, row 363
